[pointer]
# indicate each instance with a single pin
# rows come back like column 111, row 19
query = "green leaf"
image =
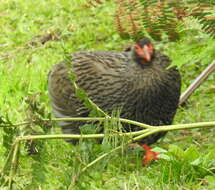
column 176, row 151
column 191, row 154
column 196, row 162
column 209, row 159
column 81, row 94
column 72, row 77
column 210, row 181
column 159, row 149
column 164, row 157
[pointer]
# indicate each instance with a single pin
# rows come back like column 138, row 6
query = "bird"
column 140, row 81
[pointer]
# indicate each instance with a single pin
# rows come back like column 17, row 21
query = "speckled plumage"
column 148, row 93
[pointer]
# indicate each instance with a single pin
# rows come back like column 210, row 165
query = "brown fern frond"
column 201, row 10
column 126, row 18
column 94, row 3
column 134, row 17
column 119, row 26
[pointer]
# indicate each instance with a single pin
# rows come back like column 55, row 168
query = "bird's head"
column 144, row 50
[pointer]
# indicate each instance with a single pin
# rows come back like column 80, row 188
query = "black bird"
column 138, row 81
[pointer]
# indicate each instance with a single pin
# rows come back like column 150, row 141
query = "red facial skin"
column 145, row 52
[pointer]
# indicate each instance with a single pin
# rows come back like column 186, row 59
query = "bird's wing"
column 101, row 74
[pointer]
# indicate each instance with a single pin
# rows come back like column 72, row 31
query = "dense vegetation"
column 34, row 35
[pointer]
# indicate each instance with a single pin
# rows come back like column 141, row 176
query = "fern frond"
column 94, row 3
column 135, row 17
column 201, row 10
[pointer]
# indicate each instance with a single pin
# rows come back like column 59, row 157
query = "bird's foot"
column 149, row 154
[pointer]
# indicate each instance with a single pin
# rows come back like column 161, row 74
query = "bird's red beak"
column 146, row 52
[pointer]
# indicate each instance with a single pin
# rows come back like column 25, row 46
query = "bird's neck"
column 149, row 74
column 138, row 59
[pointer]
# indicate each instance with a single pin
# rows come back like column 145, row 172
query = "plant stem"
column 197, row 82
column 14, row 163
column 153, row 129
column 142, row 125
column 4, row 171
column 102, row 119
column 117, row 148
column 15, row 125
column 186, row 126
column 149, row 132
column 67, row 136
column 100, row 157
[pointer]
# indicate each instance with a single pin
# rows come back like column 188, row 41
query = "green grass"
column 24, row 67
